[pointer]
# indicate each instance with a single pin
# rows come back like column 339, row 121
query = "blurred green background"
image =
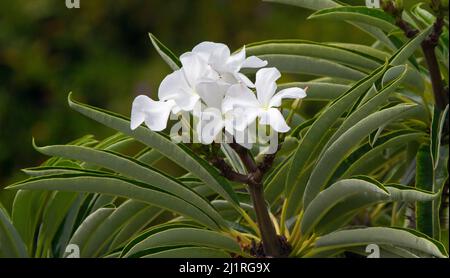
column 101, row 52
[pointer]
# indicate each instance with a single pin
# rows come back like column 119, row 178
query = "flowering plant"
column 210, row 86
column 362, row 171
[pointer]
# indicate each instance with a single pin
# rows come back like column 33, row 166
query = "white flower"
column 186, row 85
column 154, row 113
column 218, row 56
column 264, row 104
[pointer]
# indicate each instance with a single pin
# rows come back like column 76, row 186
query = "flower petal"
column 275, row 119
column 171, row 85
column 239, row 95
column 253, row 62
column 154, row 113
column 194, row 68
column 236, row 60
column 207, row 49
column 265, row 84
column 286, row 93
column 212, row 93
column 244, row 79
column 138, row 108
column 210, row 125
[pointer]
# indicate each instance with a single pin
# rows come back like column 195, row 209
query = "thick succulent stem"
column 272, row 243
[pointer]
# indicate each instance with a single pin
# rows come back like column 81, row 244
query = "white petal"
column 186, row 100
column 254, row 62
column 286, row 93
column 194, row 68
column 215, row 54
column 265, row 84
column 239, row 96
column 212, row 93
column 244, row 79
column 171, row 85
column 275, row 119
column 236, row 60
column 139, row 106
column 154, row 113
column 210, row 125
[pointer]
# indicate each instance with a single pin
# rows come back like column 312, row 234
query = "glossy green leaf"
column 369, row 16
column 308, row 65
column 117, row 186
column 133, row 169
column 308, row 4
column 312, row 49
column 165, row 53
column 402, row 238
column 341, row 147
column 186, row 252
column 178, row 153
column 11, row 244
column 339, row 192
column 186, row 236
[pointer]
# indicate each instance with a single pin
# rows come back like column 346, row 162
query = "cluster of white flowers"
column 210, row 86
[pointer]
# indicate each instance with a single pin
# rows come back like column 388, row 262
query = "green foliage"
column 341, row 181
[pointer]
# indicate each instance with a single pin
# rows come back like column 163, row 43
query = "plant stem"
column 428, row 48
column 440, row 92
column 270, row 240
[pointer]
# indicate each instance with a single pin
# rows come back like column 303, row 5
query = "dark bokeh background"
column 102, row 53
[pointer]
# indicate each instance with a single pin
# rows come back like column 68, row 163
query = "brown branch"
column 272, row 243
column 428, row 48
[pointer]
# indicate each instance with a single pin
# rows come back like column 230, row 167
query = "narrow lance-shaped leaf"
column 178, row 153
column 186, row 236
column 11, row 244
column 425, row 180
column 165, row 53
column 340, row 148
column 133, row 169
column 117, row 186
column 414, row 241
column 370, row 16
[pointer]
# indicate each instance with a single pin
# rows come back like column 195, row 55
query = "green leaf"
column 437, row 125
column 337, row 193
column 337, row 54
column 165, row 53
column 53, row 216
column 50, row 170
column 344, row 211
column 178, row 153
column 26, row 213
column 98, row 240
column 372, row 104
column 425, row 181
column 409, row 48
column 117, row 186
column 369, row 16
column 308, row 4
column 341, row 147
column 11, row 244
column 186, row 236
column 318, row 90
column 134, row 169
column 369, row 50
column 307, row 65
column 365, row 155
column 89, row 226
column 402, row 238
column 135, row 224
column 185, row 252
column 320, row 126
